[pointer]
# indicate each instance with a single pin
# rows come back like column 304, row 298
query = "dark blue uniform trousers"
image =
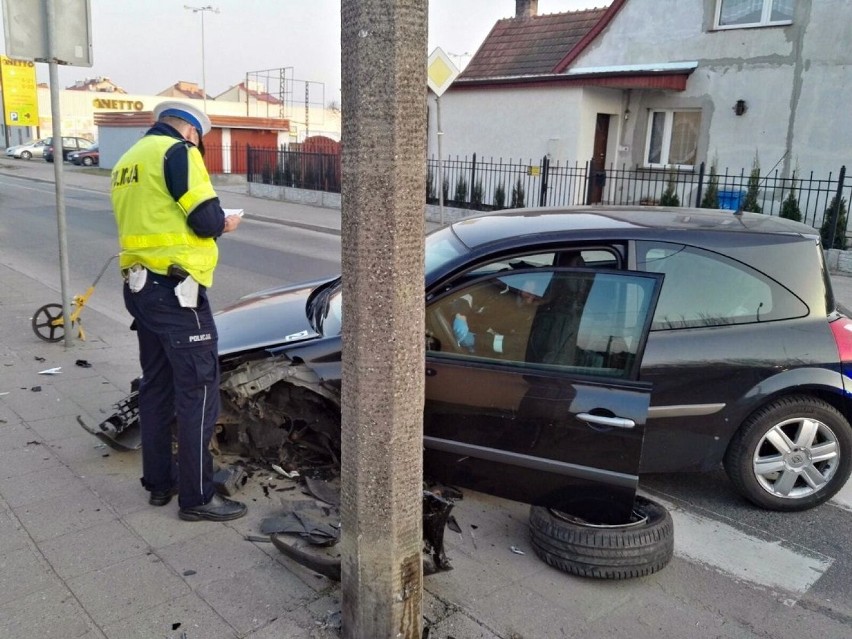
column 179, row 388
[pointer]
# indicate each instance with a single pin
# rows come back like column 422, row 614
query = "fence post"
column 700, row 186
column 589, row 177
column 472, row 179
column 249, row 172
column 836, row 210
column 545, row 169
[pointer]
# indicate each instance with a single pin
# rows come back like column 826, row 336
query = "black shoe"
column 161, row 497
column 217, row 509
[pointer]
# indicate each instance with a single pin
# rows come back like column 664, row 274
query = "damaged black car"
column 567, row 352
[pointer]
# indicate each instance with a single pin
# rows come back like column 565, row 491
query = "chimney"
column 526, row 8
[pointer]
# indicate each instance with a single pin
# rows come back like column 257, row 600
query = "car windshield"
column 324, row 308
column 442, row 247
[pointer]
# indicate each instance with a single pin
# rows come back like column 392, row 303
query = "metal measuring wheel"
column 48, row 324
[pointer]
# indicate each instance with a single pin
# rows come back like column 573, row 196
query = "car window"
column 585, row 322
column 702, row 288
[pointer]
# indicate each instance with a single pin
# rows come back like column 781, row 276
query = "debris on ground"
column 517, row 550
column 281, row 471
column 51, row 371
column 82, row 363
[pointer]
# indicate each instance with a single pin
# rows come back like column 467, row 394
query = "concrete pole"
column 383, row 212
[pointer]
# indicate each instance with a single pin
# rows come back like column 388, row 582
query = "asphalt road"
column 765, row 574
column 259, row 255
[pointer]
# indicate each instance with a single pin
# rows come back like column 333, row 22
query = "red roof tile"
column 532, row 45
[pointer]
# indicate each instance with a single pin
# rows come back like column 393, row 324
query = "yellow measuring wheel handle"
column 48, row 323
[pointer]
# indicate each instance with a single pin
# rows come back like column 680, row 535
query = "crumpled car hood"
column 268, row 318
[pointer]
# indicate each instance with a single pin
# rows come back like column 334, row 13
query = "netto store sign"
column 20, row 98
column 118, row 105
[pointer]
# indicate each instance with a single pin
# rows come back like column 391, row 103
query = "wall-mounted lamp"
column 740, row 107
column 626, row 114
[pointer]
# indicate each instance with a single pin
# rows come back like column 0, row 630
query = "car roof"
column 633, row 221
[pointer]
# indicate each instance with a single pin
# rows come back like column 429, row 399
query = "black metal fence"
column 313, row 171
column 471, row 183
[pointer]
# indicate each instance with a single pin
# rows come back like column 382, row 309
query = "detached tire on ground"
column 636, row 549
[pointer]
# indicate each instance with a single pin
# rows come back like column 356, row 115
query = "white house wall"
column 518, row 124
column 795, row 80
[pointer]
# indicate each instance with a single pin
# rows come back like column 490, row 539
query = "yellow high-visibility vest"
column 152, row 228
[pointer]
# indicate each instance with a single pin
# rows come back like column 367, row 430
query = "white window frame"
column 667, row 139
column 765, row 18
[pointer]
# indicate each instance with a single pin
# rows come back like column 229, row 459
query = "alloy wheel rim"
column 796, row 458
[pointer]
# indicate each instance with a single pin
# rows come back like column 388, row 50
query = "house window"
column 734, row 14
column 673, row 138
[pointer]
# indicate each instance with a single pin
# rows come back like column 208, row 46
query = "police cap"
column 186, row 112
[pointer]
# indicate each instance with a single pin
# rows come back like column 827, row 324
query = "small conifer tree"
column 840, row 227
column 753, row 190
column 790, row 207
column 518, row 195
column 669, row 196
column 710, row 200
column 500, row 197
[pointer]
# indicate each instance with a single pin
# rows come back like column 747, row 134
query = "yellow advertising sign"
column 20, row 96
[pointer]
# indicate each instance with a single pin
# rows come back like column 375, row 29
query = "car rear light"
column 842, row 330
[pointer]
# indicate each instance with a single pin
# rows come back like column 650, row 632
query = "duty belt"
column 174, row 271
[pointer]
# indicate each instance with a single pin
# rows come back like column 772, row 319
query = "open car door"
column 532, row 389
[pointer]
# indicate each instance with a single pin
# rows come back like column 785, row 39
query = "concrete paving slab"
column 81, row 450
column 233, row 554
column 61, row 515
column 15, row 434
column 55, row 428
column 12, row 534
column 253, row 598
column 187, row 617
column 7, row 415
column 49, row 483
column 124, row 590
column 29, row 459
column 297, row 623
column 53, row 613
column 161, row 527
column 94, row 548
column 23, row 572
column 122, row 492
column 35, row 405
column 460, row 625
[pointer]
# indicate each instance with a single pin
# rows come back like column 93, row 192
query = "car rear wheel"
column 87, row 161
column 792, row 454
column 26, row 155
column 641, row 547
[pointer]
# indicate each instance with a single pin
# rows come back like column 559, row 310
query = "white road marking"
column 773, row 564
column 844, row 497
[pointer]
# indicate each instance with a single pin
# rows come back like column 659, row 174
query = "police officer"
column 168, row 218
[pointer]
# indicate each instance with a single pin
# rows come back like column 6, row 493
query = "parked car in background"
column 86, row 157
column 31, row 149
column 69, row 145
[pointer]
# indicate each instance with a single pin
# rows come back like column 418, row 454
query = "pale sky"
column 145, row 46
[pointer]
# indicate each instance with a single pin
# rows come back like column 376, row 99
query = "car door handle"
column 615, row 422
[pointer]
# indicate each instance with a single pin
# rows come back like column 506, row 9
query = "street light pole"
column 202, row 10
